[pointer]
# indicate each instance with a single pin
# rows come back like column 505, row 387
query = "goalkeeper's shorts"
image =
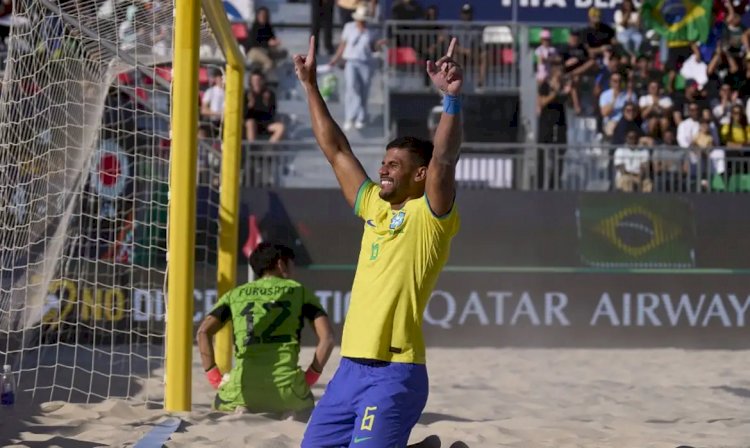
column 263, row 394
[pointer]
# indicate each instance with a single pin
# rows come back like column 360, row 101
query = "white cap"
column 6, row 368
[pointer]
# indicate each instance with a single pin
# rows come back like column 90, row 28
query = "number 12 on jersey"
column 281, row 310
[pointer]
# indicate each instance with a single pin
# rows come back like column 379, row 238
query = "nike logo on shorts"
column 361, row 439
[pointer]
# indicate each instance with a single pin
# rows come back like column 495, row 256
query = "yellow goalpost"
column 183, row 191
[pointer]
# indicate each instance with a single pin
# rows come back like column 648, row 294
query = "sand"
column 482, row 397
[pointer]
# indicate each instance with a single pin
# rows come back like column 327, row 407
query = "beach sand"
column 482, row 397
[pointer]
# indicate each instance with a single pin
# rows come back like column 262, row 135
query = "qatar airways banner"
column 526, row 269
column 477, row 309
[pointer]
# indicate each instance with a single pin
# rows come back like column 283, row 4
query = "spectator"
column 544, row 53
column 212, row 104
column 670, row 165
column 409, row 10
column 723, row 68
column 470, row 52
column 632, row 165
column 434, row 43
column 705, row 138
column 643, row 74
column 612, row 101
column 723, row 8
column 575, row 56
column 552, row 96
column 682, row 102
column 722, row 106
column 348, row 7
column 598, row 35
column 705, row 160
column 262, row 46
column 654, row 105
column 358, row 42
column 627, row 124
column 735, row 37
column 322, row 18
column 689, row 127
column 694, row 68
column 576, row 62
column 736, row 133
column 743, row 83
column 627, row 26
column 260, row 113
column 612, row 65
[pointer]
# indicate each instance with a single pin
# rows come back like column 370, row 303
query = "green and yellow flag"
column 636, row 231
column 678, row 20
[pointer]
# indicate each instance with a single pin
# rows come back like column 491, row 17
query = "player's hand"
column 446, row 74
column 214, row 377
column 312, row 376
column 305, row 66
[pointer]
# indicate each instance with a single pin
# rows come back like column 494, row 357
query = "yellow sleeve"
column 446, row 224
column 367, row 199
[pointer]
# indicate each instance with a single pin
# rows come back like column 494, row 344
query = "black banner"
column 526, row 269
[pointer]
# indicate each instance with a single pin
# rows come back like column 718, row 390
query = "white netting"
column 84, row 163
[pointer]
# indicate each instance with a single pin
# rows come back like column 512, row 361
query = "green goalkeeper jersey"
column 267, row 318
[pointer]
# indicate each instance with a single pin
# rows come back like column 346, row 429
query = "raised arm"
column 440, row 186
column 331, row 139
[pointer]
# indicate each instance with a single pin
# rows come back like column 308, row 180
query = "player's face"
column 399, row 176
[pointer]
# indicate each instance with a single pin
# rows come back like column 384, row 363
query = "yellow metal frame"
column 182, row 191
column 231, row 155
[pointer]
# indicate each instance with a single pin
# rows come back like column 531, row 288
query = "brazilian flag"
column 678, row 20
column 636, row 231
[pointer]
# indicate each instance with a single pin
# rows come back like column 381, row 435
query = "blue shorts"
column 368, row 404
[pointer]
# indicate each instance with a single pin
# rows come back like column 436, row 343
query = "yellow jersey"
column 402, row 254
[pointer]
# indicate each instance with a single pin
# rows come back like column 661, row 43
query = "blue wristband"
column 451, row 105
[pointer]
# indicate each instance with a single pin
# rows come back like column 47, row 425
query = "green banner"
column 636, row 231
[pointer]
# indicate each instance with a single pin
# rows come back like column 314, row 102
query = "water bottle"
column 7, row 387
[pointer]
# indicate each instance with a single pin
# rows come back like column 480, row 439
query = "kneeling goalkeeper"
column 267, row 317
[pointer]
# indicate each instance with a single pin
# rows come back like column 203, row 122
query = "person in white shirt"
column 632, row 164
column 690, row 127
column 543, row 54
column 358, row 43
column 212, row 104
column 654, row 104
column 627, row 27
column 722, row 106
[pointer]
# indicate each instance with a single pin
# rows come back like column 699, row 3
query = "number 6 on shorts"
column 368, row 419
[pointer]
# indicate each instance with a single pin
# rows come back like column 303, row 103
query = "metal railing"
column 488, row 52
column 527, row 167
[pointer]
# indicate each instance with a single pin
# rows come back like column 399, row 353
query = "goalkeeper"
column 267, row 317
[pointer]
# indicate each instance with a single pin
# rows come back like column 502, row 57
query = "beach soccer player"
column 380, row 388
column 267, row 316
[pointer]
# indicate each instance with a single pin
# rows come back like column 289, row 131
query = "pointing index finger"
column 311, row 50
column 451, row 47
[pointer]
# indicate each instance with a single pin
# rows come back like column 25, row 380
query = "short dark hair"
column 266, row 255
column 420, row 149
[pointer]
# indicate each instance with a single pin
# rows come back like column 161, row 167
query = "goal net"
column 84, row 184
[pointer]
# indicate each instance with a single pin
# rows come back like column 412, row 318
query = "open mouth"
column 385, row 182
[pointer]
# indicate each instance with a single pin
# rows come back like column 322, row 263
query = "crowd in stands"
column 670, row 118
